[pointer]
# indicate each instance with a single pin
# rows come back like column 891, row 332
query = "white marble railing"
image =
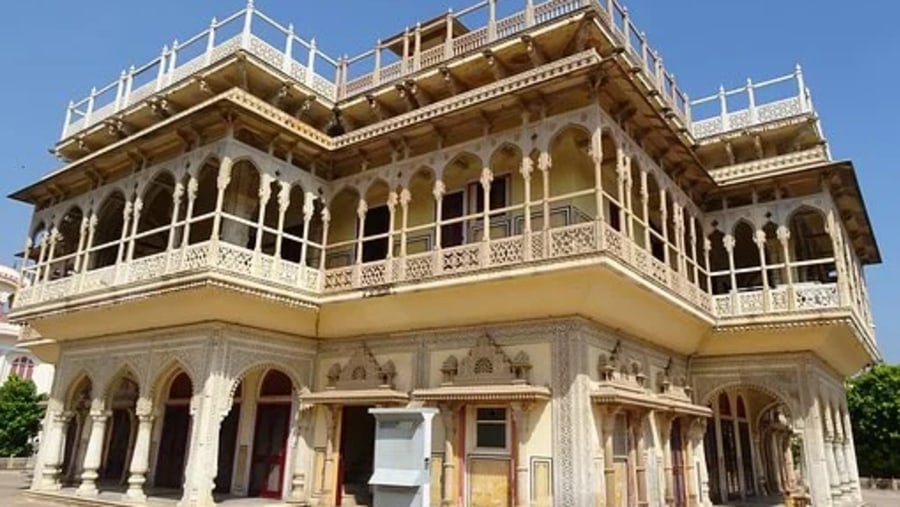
column 294, row 56
column 210, row 255
column 754, row 113
column 298, row 58
column 558, row 245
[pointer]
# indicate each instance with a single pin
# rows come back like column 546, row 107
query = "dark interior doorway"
column 357, row 454
column 269, row 450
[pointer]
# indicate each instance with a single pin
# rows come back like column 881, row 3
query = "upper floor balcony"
column 564, row 195
column 423, row 48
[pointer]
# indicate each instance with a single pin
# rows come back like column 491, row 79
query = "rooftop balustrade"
column 752, row 104
column 278, row 45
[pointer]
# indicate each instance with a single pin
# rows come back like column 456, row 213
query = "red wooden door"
column 269, row 450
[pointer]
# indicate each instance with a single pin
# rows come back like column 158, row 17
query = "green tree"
column 20, row 416
column 873, row 399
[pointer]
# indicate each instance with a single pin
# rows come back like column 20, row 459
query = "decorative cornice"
column 769, row 167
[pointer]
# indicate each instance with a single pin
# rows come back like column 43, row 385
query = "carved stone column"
column 361, row 210
column 544, row 165
column 265, row 193
column 597, row 158
column 405, row 198
column 309, row 207
column 665, row 434
column 326, row 221
column 448, row 474
column 520, row 413
column 140, row 459
column 850, row 450
column 641, row 459
column 135, row 221
column 52, row 447
column 392, row 201
column 93, row 454
column 609, row 469
column 525, row 170
column 438, row 193
column 329, row 473
column 833, row 474
column 300, row 475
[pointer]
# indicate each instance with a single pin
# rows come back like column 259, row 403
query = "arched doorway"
column 748, row 446
column 175, row 431
column 76, row 431
column 273, row 421
column 121, row 431
column 228, row 433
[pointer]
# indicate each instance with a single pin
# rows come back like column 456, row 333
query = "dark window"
column 490, row 428
column 452, row 207
column 377, row 223
column 498, row 193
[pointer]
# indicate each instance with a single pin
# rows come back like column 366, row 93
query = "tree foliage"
column 873, row 400
column 20, row 416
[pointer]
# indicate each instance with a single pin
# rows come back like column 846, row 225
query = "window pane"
column 491, row 414
column 491, row 435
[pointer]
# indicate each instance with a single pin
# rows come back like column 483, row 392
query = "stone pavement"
column 12, row 484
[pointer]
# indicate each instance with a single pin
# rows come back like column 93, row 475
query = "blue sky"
column 55, row 51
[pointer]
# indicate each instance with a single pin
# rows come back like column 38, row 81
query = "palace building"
column 615, row 295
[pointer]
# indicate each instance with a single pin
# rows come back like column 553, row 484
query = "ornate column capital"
column 178, row 191
column 526, row 168
column 439, row 190
column 362, row 209
column 405, row 197
column 192, row 187
column 309, row 205
column 544, row 161
column 284, row 196
column 487, row 177
column 729, row 242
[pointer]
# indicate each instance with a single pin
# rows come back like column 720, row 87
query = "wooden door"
column 269, row 450
column 172, row 447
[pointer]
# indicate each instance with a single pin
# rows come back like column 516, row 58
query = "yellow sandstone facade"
column 511, row 213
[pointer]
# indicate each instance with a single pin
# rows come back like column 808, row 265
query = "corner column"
column 52, row 451
column 299, row 478
column 448, row 418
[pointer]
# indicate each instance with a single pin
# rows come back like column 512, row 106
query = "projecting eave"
column 847, row 194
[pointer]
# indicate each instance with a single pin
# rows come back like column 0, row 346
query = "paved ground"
column 13, row 483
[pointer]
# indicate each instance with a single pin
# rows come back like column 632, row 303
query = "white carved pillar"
column 123, row 239
column 664, row 219
column 645, row 208
column 361, row 211
column 545, row 162
column 759, row 237
column 628, row 204
column 608, row 423
column 828, row 437
column 487, row 177
column 448, row 418
column 405, row 198
column 284, row 202
column 326, row 221
column 392, row 201
column 678, row 219
column 438, row 192
column 93, row 454
column 138, row 206
column 222, row 181
column 597, row 158
column 729, row 248
column 265, row 193
column 693, row 238
column 300, row 476
column 177, row 194
column 329, row 471
column 520, row 417
column 55, row 237
column 525, row 169
column 620, row 187
column 82, row 237
column 52, row 450
column 850, row 451
column 206, row 417
column 140, row 458
column 86, row 257
column 192, row 187
column 309, row 208
column 840, row 451
column 707, row 246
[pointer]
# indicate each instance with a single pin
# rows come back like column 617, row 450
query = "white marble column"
column 300, row 489
column 94, row 452
column 52, row 455
column 448, row 418
column 523, row 477
column 140, row 459
column 833, row 473
column 525, row 169
column 850, row 450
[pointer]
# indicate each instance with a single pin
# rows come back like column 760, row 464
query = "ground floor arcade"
column 542, row 413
